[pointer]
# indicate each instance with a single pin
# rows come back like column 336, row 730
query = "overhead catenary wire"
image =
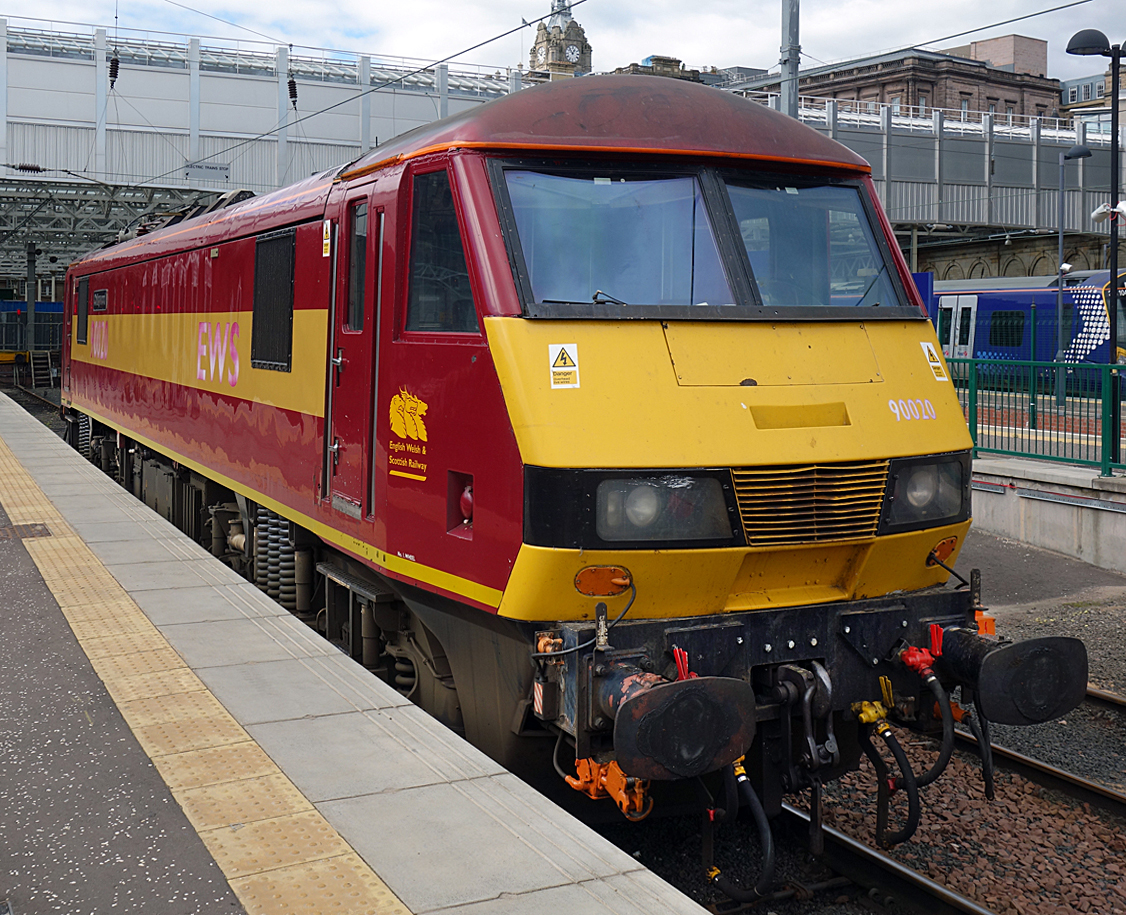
column 391, row 82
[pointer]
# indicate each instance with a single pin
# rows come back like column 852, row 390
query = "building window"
column 871, row 106
column 1100, row 91
column 992, row 108
column 922, row 104
column 1072, row 94
column 271, row 337
column 965, row 108
column 895, row 105
column 1009, row 110
column 1087, row 93
column 440, row 296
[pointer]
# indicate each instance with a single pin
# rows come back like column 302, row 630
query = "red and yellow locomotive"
column 603, row 419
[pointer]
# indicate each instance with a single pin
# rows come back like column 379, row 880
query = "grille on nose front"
column 810, row 503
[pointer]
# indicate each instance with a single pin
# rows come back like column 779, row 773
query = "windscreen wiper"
column 868, row 289
column 601, row 297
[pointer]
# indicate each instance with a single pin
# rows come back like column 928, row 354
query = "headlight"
column 926, row 492
column 630, row 509
column 661, row 508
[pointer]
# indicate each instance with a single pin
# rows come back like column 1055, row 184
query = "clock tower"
column 560, row 48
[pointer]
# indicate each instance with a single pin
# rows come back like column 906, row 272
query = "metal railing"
column 1050, row 411
column 48, row 334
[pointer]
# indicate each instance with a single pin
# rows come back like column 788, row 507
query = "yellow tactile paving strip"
column 278, row 853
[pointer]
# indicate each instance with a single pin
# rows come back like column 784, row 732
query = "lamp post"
column 1090, row 42
column 1078, row 151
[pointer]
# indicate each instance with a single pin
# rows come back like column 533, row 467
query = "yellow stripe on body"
column 211, row 352
column 287, row 857
column 417, row 571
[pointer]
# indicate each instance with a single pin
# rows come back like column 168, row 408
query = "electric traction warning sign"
column 564, row 361
column 934, row 361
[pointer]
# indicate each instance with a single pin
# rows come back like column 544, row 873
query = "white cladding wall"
column 245, row 120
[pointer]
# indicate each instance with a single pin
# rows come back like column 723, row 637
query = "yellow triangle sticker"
column 563, row 361
column 934, row 361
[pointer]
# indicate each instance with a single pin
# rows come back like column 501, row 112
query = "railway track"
column 1053, row 778
column 882, row 875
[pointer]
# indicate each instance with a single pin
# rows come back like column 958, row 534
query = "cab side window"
column 440, row 298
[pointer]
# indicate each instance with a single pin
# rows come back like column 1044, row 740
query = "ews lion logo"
column 406, row 416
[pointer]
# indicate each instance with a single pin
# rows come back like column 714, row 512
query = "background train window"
column 357, row 263
column 82, row 311
column 1006, row 328
column 945, row 318
column 440, row 297
column 965, row 325
column 811, row 246
column 271, row 343
column 637, row 240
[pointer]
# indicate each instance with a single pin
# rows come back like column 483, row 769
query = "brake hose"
column 947, row 748
column 883, row 782
column 765, row 881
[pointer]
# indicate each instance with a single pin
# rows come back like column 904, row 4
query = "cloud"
column 708, row 32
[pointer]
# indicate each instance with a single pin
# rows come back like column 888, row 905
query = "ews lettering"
column 99, row 339
column 217, row 352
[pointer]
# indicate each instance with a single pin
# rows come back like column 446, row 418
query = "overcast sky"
column 718, row 33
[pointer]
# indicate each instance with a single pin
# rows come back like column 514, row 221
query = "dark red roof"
column 630, row 113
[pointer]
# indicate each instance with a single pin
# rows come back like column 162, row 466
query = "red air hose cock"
column 918, row 660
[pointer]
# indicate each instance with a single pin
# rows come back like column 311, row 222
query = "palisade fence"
column 48, row 332
column 1051, row 411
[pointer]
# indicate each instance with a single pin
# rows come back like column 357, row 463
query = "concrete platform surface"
column 290, row 779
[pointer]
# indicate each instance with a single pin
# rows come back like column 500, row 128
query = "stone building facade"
column 1010, row 81
column 1024, row 255
column 560, row 48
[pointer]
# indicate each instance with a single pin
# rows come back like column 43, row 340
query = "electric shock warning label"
column 934, row 361
column 564, row 361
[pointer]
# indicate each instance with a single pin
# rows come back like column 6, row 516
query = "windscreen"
column 627, row 240
column 811, row 245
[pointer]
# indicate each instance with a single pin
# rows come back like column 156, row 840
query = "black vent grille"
column 812, row 503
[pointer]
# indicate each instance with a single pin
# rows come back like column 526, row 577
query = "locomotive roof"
column 633, row 114
column 623, row 114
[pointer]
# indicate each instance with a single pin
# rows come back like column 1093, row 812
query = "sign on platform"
column 207, row 171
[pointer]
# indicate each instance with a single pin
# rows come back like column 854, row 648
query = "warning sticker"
column 326, row 239
column 934, row 360
column 563, row 359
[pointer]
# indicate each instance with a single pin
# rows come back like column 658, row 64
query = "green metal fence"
column 1050, row 411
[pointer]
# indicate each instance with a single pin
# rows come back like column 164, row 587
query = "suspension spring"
column 261, row 548
column 405, row 675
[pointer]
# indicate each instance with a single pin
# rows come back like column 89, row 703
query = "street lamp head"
column 1101, row 212
column 1065, row 267
column 1088, row 42
column 1079, row 151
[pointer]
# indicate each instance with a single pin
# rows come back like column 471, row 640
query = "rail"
column 1050, row 411
column 872, row 868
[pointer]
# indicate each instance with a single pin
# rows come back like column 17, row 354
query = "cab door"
column 356, row 249
column 965, row 326
column 946, row 322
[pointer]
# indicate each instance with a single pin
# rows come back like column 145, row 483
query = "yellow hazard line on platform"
column 276, row 850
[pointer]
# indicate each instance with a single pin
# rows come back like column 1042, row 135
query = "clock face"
column 572, row 53
column 541, row 54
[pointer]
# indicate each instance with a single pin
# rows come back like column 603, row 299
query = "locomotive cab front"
column 746, row 471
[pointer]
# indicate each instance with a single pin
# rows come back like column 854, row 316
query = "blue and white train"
column 1016, row 317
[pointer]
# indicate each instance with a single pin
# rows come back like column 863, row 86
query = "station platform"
column 173, row 741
